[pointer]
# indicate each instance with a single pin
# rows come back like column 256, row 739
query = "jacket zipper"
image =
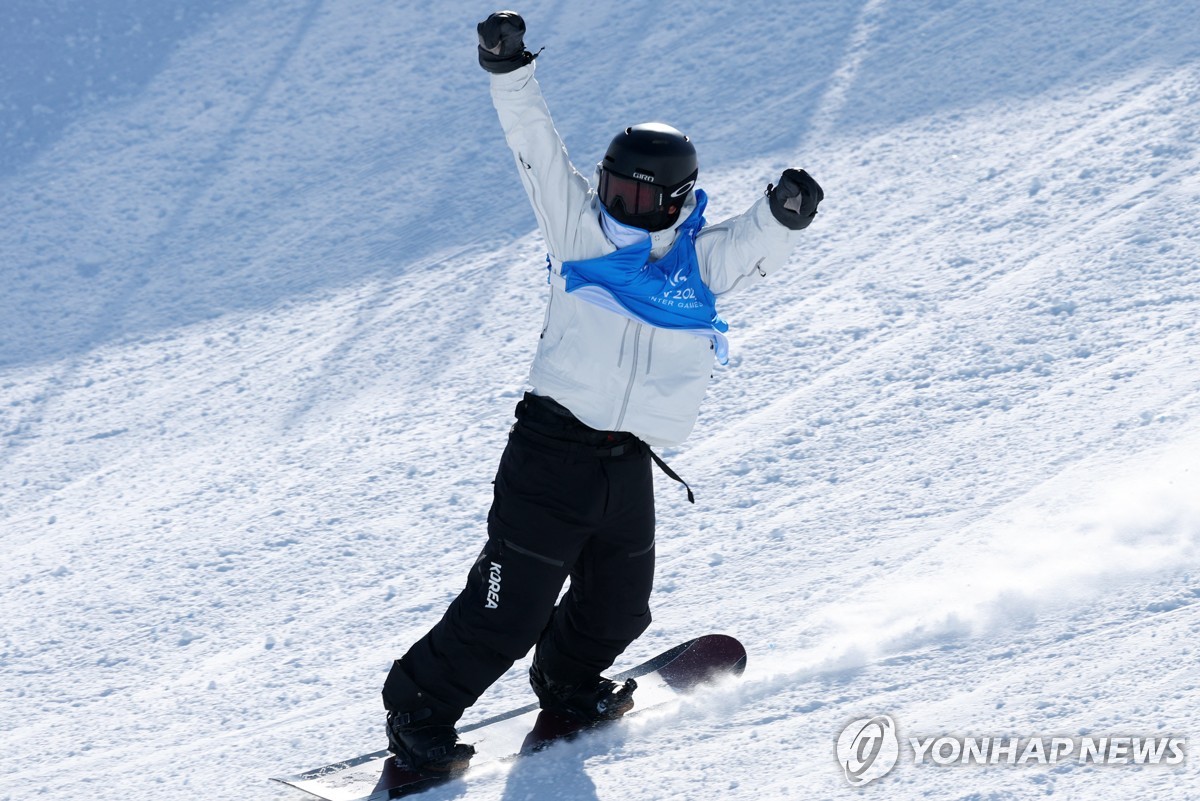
column 740, row 278
column 637, row 336
column 549, row 307
column 624, row 336
column 533, row 194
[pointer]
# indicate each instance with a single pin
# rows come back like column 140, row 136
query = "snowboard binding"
column 428, row 750
column 592, row 701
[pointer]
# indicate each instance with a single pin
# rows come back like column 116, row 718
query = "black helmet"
column 646, row 175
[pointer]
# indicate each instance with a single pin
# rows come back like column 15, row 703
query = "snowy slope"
column 269, row 294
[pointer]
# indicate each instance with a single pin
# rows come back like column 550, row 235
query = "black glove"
column 794, row 201
column 502, row 42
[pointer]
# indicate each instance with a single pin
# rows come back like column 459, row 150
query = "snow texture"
column 269, row 289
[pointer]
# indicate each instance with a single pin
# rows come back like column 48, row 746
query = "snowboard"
column 528, row 729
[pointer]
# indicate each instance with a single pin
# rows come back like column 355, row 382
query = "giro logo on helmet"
column 641, row 176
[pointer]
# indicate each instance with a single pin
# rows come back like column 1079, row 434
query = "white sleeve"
column 557, row 191
column 744, row 249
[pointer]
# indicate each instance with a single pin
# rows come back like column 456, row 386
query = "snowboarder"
column 626, row 352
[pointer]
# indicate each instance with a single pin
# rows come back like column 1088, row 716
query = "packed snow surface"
column 269, row 289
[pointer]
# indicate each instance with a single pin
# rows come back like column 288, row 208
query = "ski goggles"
column 636, row 197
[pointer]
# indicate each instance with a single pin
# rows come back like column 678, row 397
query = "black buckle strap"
column 408, row 718
column 666, row 468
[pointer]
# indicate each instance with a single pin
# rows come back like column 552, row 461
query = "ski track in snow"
column 271, row 290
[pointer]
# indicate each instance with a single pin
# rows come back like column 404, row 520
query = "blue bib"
column 668, row 293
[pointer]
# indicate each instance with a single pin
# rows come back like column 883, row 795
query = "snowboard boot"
column 591, row 701
column 429, row 750
column 420, row 728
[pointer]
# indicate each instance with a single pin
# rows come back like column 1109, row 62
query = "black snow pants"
column 569, row 501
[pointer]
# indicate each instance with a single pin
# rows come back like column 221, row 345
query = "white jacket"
column 613, row 373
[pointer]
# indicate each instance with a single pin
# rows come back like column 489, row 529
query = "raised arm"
column 741, row 250
column 556, row 190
